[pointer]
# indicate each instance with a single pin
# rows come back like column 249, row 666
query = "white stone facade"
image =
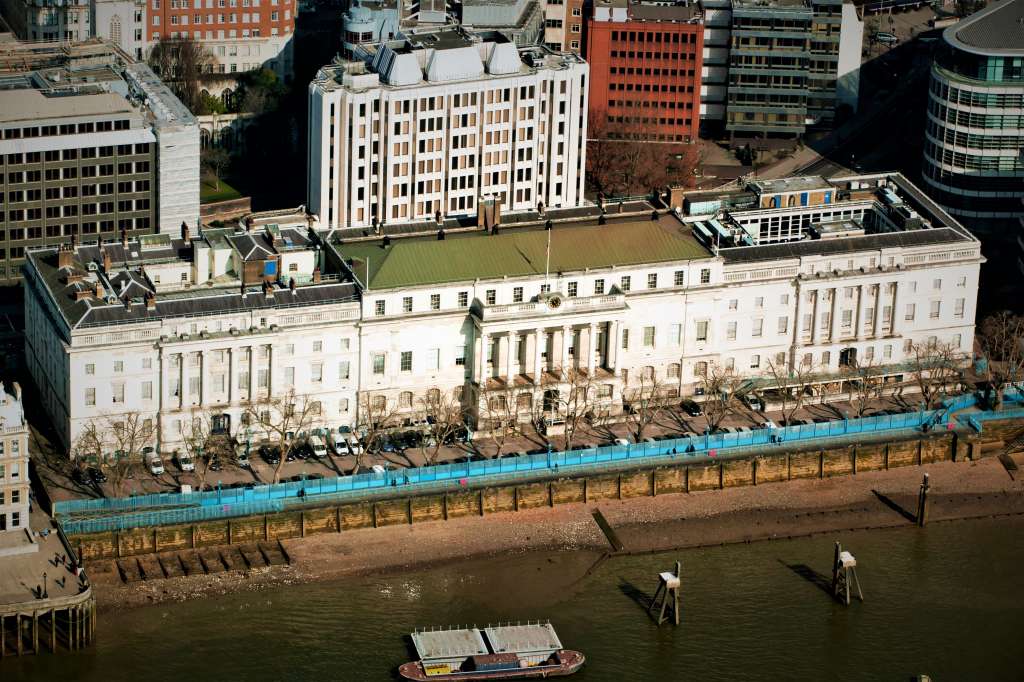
column 390, row 142
column 627, row 300
column 14, row 478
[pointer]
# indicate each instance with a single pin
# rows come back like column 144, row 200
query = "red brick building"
column 242, row 35
column 645, row 70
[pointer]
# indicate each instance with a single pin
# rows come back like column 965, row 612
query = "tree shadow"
column 642, row 599
column 819, row 580
column 888, row 502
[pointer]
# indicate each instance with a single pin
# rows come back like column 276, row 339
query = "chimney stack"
column 186, row 236
column 150, row 301
column 124, row 238
column 98, row 290
column 291, row 285
column 65, row 256
column 316, row 276
column 268, row 290
column 107, row 263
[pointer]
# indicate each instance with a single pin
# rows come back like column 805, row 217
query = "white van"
column 354, row 446
column 185, row 461
column 153, row 461
column 317, row 446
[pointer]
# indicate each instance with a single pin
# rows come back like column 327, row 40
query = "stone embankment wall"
column 686, row 476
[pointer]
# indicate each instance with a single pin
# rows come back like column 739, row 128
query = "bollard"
column 922, row 502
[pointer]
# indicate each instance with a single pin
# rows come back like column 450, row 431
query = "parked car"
column 96, row 476
column 215, row 464
column 79, row 476
column 621, row 441
column 751, row 401
column 886, row 38
column 242, row 457
column 691, row 408
column 153, row 461
column 317, row 447
column 354, row 446
column 339, row 442
column 270, row 454
column 378, row 469
column 184, row 461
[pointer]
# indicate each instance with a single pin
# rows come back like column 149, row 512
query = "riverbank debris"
column 844, row 574
column 668, row 593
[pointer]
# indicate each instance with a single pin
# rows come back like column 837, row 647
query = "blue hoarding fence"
column 96, row 515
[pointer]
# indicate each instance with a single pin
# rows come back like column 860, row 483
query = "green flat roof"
column 517, row 252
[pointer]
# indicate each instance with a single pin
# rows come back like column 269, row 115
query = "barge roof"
column 521, row 639
column 432, row 645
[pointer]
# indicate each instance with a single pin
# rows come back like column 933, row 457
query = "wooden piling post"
column 667, row 595
column 922, row 502
column 3, row 636
column 17, row 629
column 35, row 632
column 53, row 631
column 844, row 575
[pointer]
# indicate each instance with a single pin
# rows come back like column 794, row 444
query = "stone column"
column 270, row 370
column 612, row 346
column 591, row 348
column 566, row 342
column 896, row 305
column 204, row 370
column 858, row 323
column 252, row 373
column 834, row 330
column 878, row 312
column 815, row 320
column 513, row 356
column 538, row 343
column 183, row 388
column 231, row 376
column 485, row 346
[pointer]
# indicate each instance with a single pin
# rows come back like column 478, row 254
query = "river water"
column 945, row 600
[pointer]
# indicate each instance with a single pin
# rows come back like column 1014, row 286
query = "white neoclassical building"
column 430, row 122
column 801, row 271
column 14, row 478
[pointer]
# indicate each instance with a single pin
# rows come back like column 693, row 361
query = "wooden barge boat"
column 496, row 652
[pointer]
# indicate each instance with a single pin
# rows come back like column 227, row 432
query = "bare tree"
column 621, row 160
column 282, row 419
column 791, row 384
column 1002, row 342
column 180, row 63
column 116, row 443
column 934, row 367
column 720, row 390
column 199, row 443
column 863, row 384
column 645, row 400
column 214, row 161
column 501, row 414
column 377, row 415
column 444, row 415
column 577, row 404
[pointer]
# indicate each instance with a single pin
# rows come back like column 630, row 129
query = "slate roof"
column 517, row 252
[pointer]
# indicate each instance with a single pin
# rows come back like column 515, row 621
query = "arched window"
column 205, row 138
column 673, row 370
column 379, row 403
column 405, row 399
column 700, row 369
column 433, row 396
column 647, row 373
column 226, row 97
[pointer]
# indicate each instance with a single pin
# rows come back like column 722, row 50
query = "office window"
column 869, row 353
column 962, row 282
column 652, row 280
column 679, row 278
column 573, row 289
column 826, row 359
column 90, row 397
column 705, row 275
column 649, row 337
column 730, row 330
column 460, row 356
column 90, row 369
column 407, row 304
column 937, row 284
column 463, row 299
column 755, row 361
column 887, row 351
column 759, row 302
column 784, row 299
column 702, row 330
column 118, row 366
column 517, row 295
column 598, row 287
column 343, row 405
column 318, row 346
column 626, row 282
column 379, row 308
column 700, row 369
column 958, row 308
column 378, row 363
column 435, row 301
column 757, row 328
column 491, row 296
column 344, row 369
column 847, row 318
column 433, row 359
column 289, row 376
column 911, row 309
column 316, row 372
column 675, row 334
column 783, row 327
column 734, row 304
column 625, row 339
column 117, row 393
column 406, row 361
column 935, row 310
column 147, row 390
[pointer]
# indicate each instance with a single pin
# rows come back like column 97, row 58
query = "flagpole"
column 547, row 260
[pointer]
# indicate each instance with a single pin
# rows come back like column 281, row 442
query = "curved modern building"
column 974, row 144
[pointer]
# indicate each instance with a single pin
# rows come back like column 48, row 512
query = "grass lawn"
column 209, row 194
